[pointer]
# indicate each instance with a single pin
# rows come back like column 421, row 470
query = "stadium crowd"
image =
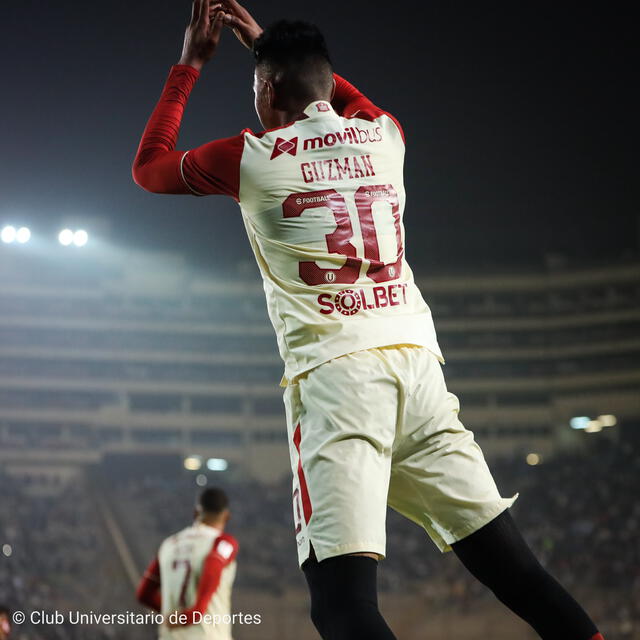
column 579, row 512
column 55, row 556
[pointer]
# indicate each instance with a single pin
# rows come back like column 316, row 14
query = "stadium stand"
column 114, row 370
column 579, row 516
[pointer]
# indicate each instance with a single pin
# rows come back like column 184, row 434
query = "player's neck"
column 294, row 112
column 286, row 117
column 212, row 522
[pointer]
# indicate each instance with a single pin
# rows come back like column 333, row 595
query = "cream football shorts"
column 379, row 427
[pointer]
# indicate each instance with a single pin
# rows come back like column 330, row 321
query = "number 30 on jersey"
column 339, row 241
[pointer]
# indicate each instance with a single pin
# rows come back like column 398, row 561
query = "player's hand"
column 237, row 18
column 202, row 36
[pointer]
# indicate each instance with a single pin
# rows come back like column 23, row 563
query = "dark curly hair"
column 288, row 41
column 294, row 55
column 213, row 500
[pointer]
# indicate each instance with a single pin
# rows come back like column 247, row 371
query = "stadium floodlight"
column 65, row 237
column 68, row 237
column 80, row 238
column 594, row 426
column 192, row 463
column 8, row 234
column 7, row 550
column 608, row 420
column 533, row 459
column 580, row 422
column 217, row 464
column 23, row 235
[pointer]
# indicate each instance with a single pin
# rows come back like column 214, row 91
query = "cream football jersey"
column 183, row 559
column 322, row 200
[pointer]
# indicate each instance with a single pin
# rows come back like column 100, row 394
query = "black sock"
column 344, row 599
column 500, row 558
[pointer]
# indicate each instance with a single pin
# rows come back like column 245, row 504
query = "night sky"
column 521, row 122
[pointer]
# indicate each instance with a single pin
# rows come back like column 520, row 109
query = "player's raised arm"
column 241, row 22
column 157, row 165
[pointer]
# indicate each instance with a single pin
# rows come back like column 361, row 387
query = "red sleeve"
column 348, row 102
column 148, row 592
column 213, row 168
column 223, row 553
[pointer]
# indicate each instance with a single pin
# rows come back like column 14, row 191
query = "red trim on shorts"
column 306, row 501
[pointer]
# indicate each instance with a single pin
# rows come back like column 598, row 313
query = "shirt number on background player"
column 187, row 574
column 339, row 241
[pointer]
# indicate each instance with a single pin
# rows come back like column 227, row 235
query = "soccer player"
column 369, row 417
column 5, row 625
column 190, row 579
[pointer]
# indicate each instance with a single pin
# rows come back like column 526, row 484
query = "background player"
column 368, row 413
column 193, row 574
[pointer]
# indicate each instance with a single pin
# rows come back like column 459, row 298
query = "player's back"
column 323, row 200
column 183, row 558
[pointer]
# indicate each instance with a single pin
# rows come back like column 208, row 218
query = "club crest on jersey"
column 285, row 146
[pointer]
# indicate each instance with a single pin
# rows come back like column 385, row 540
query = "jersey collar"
column 319, row 108
column 207, row 527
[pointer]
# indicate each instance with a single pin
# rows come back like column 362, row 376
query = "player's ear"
column 270, row 92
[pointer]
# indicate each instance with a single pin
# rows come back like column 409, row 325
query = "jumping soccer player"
column 190, row 579
column 369, row 417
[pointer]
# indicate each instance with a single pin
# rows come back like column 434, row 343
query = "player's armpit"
column 148, row 592
column 223, row 552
